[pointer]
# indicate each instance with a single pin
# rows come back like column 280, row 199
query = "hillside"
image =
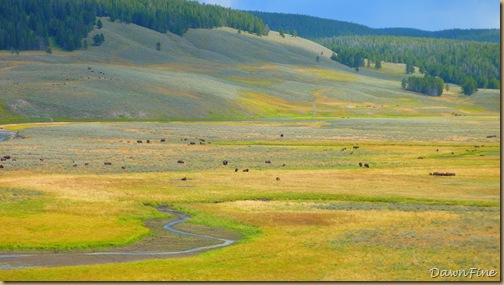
column 313, row 28
column 208, row 74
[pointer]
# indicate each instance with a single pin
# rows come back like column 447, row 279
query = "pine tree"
column 281, row 31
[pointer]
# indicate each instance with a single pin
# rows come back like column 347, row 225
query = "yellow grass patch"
column 266, row 105
column 55, row 230
column 328, row 74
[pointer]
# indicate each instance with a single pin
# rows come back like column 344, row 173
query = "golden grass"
column 298, row 240
column 328, row 74
column 265, row 105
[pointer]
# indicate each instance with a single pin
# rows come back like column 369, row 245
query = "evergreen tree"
column 469, row 86
column 281, row 31
column 99, row 24
column 158, row 46
column 378, row 64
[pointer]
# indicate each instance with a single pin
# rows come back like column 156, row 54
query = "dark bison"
column 420, row 157
column 360, row 164
column 278, row 179
column 107, row 163
column 148, row 141
column 192, row 143
column 139, row 141
column 236, row 169
column 281, row 135
column 245, row 170
column 268, row 161
column 225, row 162
column 7, row 157
column 366, row 165
column 163, row 140
column 180, row 161
column 442, row 174
column 1, row 166
column 355, row 147
column 184, row 179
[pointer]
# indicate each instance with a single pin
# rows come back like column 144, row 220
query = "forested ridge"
column 454, row 61
column 29, row 24
column 313, row 28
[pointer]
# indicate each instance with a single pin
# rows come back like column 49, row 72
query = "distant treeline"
column 452, row 60
column 28, row 24
column 313, row 28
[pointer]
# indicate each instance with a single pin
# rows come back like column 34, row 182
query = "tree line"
column 29, row 24
column 314, row 28
column 454, row 61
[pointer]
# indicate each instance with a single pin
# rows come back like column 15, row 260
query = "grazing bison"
column 7, row 157
column 225, row 162
column 163, row 140
column 281, row 135
column 139, row 141
column 86, row 164
column 184, row 179
column 148, row 141
column 442, row 174
column 3, row 159
column 192, row 143
column 268, row 161
column 420, row 157
column 180, row 161
column 236, row 169
column 278, row 179
column 245, row 170
column 366, row 165
column 108, row 163
column 123, row 167
column 360, row 164
column 355, row 147
column 283, row 165
column 1, row 166
column 75, row 165
column 492, row 136
column 343, row 149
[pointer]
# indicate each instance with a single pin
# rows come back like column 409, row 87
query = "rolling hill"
column 208, row 74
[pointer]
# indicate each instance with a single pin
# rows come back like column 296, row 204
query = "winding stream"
column 16, row 261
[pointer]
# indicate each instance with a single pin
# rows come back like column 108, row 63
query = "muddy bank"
column 170, row 238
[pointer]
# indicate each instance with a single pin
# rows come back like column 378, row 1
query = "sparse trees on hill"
column 98, row 39
column 158, row 46
column 281, row 32
column 99, row 24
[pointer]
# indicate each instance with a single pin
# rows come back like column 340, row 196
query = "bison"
column 1, row 166
column 245, row 170
column 139, row 141
column 180, row 161
column 107, row 163
column 268, row 161
column 163, row 140
column 278, row 179
column 184, row 179
column 225, row 162
column 355, row 147
column 236, row 169
column 366, row 165
column 360, row 164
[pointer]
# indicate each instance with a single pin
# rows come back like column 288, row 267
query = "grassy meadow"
column 325, row 219
column 311, row 214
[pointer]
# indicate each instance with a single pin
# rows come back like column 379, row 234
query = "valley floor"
column 304, row 211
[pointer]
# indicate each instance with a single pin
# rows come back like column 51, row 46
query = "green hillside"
column 209, row 74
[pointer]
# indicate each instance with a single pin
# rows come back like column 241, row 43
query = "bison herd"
column 226, row 162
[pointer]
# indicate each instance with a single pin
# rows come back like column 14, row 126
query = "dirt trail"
column 14, row 260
